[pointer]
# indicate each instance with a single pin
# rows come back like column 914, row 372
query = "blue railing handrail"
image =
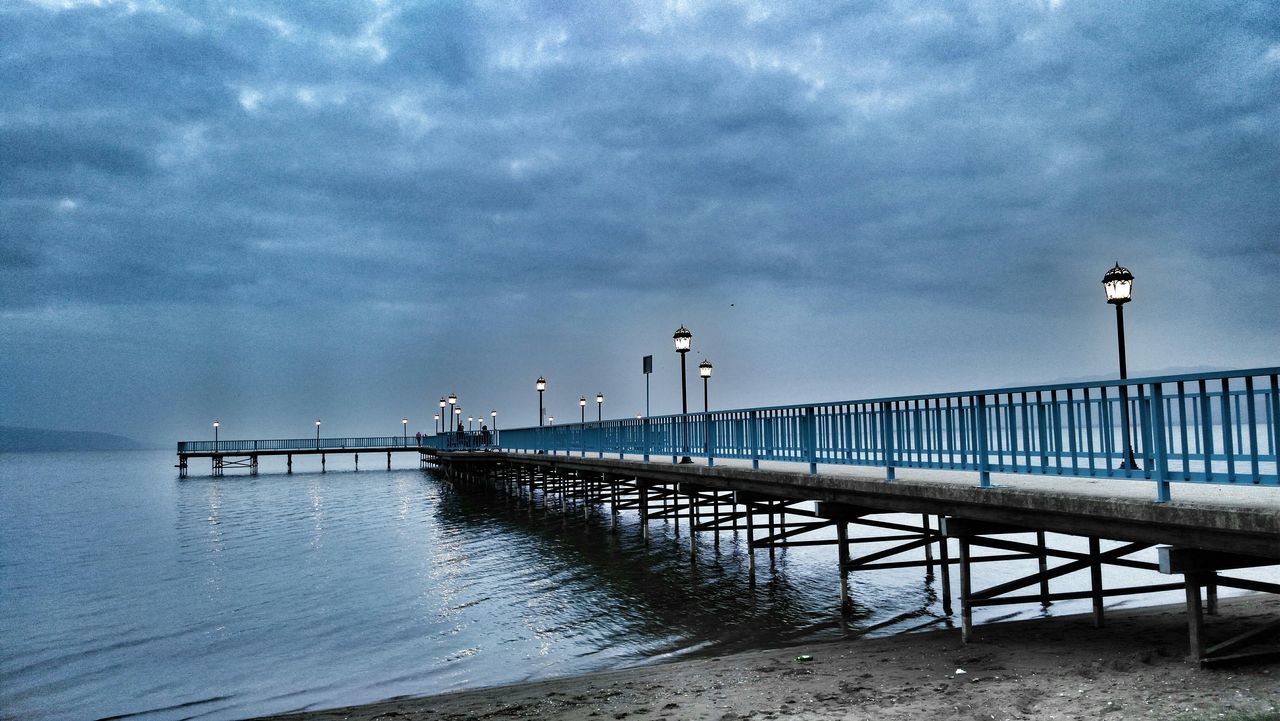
column 1209, row 427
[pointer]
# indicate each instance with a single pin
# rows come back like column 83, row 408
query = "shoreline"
column 1050, row 668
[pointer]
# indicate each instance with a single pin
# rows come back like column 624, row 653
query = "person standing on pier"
column 484, row 434
column 418, row 435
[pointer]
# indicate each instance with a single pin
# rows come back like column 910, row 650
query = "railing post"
column 1161, row 446
column 709, row 438
column 811, row 439
column 886, row 432
column 984, row 460
column 647, row 444
column 753, row 438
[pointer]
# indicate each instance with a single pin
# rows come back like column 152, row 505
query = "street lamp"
column 704, row 370
column 469, row 420
column 317, row 434
column 541, row 385
column 551, row 421
column 215, row 435
column 453, row 402
column 441, row 417
column 405, row 423
column 684, row 339
column 494, row 416
column 582, row 409
column 599, row 406
column 1118, row 282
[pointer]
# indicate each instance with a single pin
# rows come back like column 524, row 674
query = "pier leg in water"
column 693, row 524
column 944, row 555
column 357, row 455
column 966, row 611
column 322, row 463
column 1095, row 580
column 388, row 460
column 290, row 463
column 751, row 543
column 1043, row 559
column 842, row 547
column 644, row 512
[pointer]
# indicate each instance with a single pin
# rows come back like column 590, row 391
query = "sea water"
column 126, row 592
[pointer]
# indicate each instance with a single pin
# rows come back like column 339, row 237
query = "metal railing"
column 467, row 440
column 1198, row 428
column 299, row 444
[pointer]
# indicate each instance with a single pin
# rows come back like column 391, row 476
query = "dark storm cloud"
column 293, row 166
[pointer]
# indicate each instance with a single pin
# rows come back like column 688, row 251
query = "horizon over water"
column 128, row 593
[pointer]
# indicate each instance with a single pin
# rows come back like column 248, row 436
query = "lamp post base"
column 685, row 460
column 1131, row 464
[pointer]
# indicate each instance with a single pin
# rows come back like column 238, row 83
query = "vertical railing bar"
column 1182, row 430
column 1072, row 440
column 1106, row 420
column 1253, row 429
column 1087, row 405
column 1228, row 450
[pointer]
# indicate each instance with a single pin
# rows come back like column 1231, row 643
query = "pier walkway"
column 1055, row 480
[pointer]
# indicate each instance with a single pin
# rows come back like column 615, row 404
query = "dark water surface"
column 125, row 592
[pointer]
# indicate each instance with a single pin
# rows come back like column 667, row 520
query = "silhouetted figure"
column 418, row 435
column 484, row 434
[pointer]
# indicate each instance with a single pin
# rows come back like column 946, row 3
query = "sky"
column 269, row 212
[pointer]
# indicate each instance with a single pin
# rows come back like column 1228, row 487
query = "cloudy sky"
column 272, row 211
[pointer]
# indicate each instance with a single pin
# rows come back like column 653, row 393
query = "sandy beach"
column 1051, row 668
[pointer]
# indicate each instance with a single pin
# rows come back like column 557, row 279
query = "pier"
column 1059, row 479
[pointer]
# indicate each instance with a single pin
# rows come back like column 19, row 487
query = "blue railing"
column 1199, row 428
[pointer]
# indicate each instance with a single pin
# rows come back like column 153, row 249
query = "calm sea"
column 128, row 593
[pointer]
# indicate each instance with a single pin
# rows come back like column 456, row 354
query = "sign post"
column 648, row 370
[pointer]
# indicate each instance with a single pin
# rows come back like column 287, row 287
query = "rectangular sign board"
column 648, row 364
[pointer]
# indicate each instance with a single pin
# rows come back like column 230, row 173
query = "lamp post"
column 442, row 417
column 469, row 420
column 599, row 407
column 317, row 434
column 684, row 339
column 1118, row 282
column 704, row 370
column 541, row 385
column 215, row 435
column 453, row 411
column 494, row 416
column 404, row 422
column 582, row 409
column 437, row 419
column 551, row 421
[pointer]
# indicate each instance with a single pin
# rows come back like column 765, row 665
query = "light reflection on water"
column 126, row 591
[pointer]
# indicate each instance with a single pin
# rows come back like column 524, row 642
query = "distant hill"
column 14, row 438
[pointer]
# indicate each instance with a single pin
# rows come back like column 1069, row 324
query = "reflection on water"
column 126, row 591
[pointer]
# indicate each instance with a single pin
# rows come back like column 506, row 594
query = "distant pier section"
column 245, row 453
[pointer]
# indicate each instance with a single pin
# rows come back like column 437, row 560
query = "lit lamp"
column 599, row 406
column 582, row 409
column 541, row 385
column 317, row 433
column 405, row 422
column 494, row 415
column 551, row 421
column 442, row 417
column 469, row 420
column 215, row 436
column 453, row 401
column 684, row 340
column 704, row 370
column 1118, row 282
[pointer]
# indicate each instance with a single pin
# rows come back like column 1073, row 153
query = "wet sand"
column 1051, row 668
